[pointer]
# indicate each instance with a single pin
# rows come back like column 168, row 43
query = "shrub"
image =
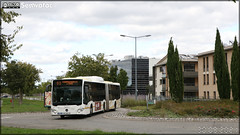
column 132, row 102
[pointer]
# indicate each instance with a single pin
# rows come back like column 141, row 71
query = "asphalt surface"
column 104, row 122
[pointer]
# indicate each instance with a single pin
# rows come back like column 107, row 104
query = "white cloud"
column 52, row 35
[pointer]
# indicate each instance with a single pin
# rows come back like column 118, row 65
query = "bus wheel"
column 91, row 110
column 104, row 107
column 115, row 106
column 62, row 116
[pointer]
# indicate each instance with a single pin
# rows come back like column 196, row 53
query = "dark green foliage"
column 122, row 78
column 113, row 74
column 175, row 75
column 20, row 78
column 170, row 66
column 6, row 47
column 88, row 66
column 221, row 69
column 42, row 86
column 235, row 69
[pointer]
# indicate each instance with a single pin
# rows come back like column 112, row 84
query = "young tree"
column 7, row 48
column 235, row 69
column 221, row 69
column 88, row 66
column 171, row 66
column 20, row 78
column 12, row 78
column 179, row 83
column 122, row 78
column 175, row 76
column 113, row 74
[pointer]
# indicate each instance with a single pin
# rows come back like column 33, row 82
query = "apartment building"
column 190, row 74
column 206, row 73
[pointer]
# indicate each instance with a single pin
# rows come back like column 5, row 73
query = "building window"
column 163, row 81
column 161, row 69
column 189, row 67
column 204, row 94
column 226, row 57
column 214, row 78
column 203, row 64
column 207, row 63
column 207, row 94
column 160, row 81
column 204, row 80
column 213, row 64
column 189, row 81
column 214, row 94
column 207, row 79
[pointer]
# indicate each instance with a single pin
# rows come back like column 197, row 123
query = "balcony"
column 190, row 74
column 190, row 88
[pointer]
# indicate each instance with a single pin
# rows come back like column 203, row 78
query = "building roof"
column 212, row 51
column 188, row 57
column 183, row 58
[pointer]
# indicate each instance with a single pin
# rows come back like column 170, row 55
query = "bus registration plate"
column 63, row 113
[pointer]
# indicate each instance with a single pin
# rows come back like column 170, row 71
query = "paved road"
column 103, row 122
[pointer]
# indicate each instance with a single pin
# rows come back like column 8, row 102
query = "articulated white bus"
column 83, row 95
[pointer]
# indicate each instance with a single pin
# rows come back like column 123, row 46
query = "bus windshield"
column 68, row 93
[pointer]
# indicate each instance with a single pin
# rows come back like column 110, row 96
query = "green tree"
column 122, row 78
column 42, row 86
column 179, row 83
column 171, row 66
column 7, row 48
column 113, row 74
column 12, row 78
column 175, row 75
column 235, row 69
column 20, row 78
column 88, row 66
column 221, row 69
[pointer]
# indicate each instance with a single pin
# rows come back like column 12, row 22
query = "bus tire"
column 104, row 107
column 62, row 116
column 91, row 111
column 115, row 106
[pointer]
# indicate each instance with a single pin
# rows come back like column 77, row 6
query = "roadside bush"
column 132, row 102
column 159, row 105
column 219, row 108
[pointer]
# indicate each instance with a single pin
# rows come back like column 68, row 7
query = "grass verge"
column 13, row 130
column 27, row 106
column 170, row 109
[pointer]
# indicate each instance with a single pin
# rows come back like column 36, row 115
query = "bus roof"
column 93, row 79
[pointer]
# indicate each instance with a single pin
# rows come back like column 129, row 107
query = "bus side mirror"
column 48, row 87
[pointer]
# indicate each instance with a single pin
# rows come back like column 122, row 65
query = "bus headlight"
column 54, row 111
column 80, row 109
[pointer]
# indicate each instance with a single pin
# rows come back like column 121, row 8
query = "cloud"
column 52, row 35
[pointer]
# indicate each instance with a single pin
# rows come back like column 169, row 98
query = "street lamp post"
column 135, row 59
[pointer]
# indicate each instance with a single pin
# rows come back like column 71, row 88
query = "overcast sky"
column 55, row 31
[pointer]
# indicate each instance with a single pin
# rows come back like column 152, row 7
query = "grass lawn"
column 13, row 130
column 170, row 109
column 27, row 106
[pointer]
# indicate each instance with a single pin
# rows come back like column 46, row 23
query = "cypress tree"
column 175, row 75
column 181, row 82
column 170, row 66
column 235, row 69
column 221, row 69
column 179, row 85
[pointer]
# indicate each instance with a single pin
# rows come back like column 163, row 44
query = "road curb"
column 123, row 115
